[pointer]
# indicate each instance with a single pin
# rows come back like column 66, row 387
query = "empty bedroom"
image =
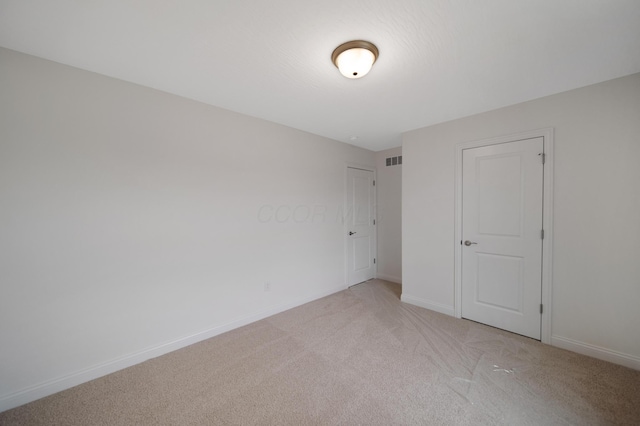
column 411, row 212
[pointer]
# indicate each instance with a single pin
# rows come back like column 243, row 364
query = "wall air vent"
column 394, row 161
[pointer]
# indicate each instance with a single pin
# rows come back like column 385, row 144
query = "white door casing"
column 360, row 225
column 547, row 136
column 501, row 228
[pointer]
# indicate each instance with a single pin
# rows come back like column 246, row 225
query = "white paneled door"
column 360, row 225
column 502, row 194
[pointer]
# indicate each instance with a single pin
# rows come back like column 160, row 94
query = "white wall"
column 132, row 219
column 389, row 185
column 596, row 247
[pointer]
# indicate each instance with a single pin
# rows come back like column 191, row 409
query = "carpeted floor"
column 357, row 357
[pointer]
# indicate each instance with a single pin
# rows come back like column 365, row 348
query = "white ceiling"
column 439, row 60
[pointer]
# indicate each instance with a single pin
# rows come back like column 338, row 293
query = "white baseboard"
column 50, row 387
column 389, row 278
column 596, row 352
column 427, row 304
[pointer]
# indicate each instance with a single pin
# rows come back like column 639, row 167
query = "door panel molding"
column 547, row 220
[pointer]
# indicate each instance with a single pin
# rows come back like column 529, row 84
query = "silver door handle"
column 351, row 233
column 468, row 243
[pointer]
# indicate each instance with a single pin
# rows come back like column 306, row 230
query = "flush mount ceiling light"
column 355, row 58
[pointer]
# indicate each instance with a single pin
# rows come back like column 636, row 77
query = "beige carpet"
column 357, row 357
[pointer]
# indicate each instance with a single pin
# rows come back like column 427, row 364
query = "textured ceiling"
column 439, row 60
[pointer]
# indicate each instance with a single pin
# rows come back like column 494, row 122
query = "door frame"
column 345, row 229
column 547, row 221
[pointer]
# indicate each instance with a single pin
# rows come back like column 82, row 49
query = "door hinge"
column 374, row 182
column 541, row 308
column 374, row 260
column 544, row 157
column 374, row 221
column 542, row 234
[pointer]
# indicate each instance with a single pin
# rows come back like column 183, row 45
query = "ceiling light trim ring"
column 355, row 44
